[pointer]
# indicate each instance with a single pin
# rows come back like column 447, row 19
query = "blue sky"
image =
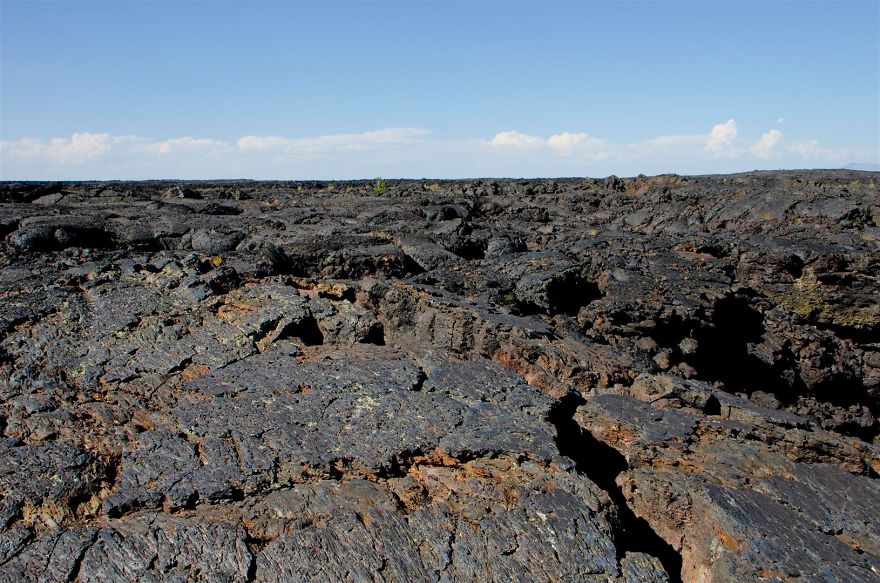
column 205, row 89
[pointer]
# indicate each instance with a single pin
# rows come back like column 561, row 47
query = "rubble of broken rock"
column 650, row 379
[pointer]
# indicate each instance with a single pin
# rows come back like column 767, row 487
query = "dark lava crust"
column 649, row 379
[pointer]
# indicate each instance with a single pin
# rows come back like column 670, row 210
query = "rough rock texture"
column 651, row 379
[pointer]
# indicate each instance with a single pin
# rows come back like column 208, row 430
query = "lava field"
column 651, row 379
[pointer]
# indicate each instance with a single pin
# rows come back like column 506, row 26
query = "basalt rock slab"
column 643, row 379
column 735, row 501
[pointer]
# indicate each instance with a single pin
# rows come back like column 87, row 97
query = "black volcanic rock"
column 633, row 380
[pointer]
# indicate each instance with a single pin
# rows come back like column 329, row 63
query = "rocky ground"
column 649, row 379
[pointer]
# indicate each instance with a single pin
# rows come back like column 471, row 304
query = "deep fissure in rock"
column 567, row 295
column 306, row 330
column 723, row 349
column 601, row 463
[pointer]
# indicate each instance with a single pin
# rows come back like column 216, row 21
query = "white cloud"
column 763, row 148
column 810, row 150
column 720, row 142
column 568, row 143
column 668, row 144
column 80, row 147
column 516, row 140
column 389, row 136
column 190, row 146
column 409, row 152
column 257, row 143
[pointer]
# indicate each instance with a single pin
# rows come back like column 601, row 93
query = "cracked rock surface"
column 629, row 380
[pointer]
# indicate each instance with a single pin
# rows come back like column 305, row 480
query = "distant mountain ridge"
column 863, row 166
